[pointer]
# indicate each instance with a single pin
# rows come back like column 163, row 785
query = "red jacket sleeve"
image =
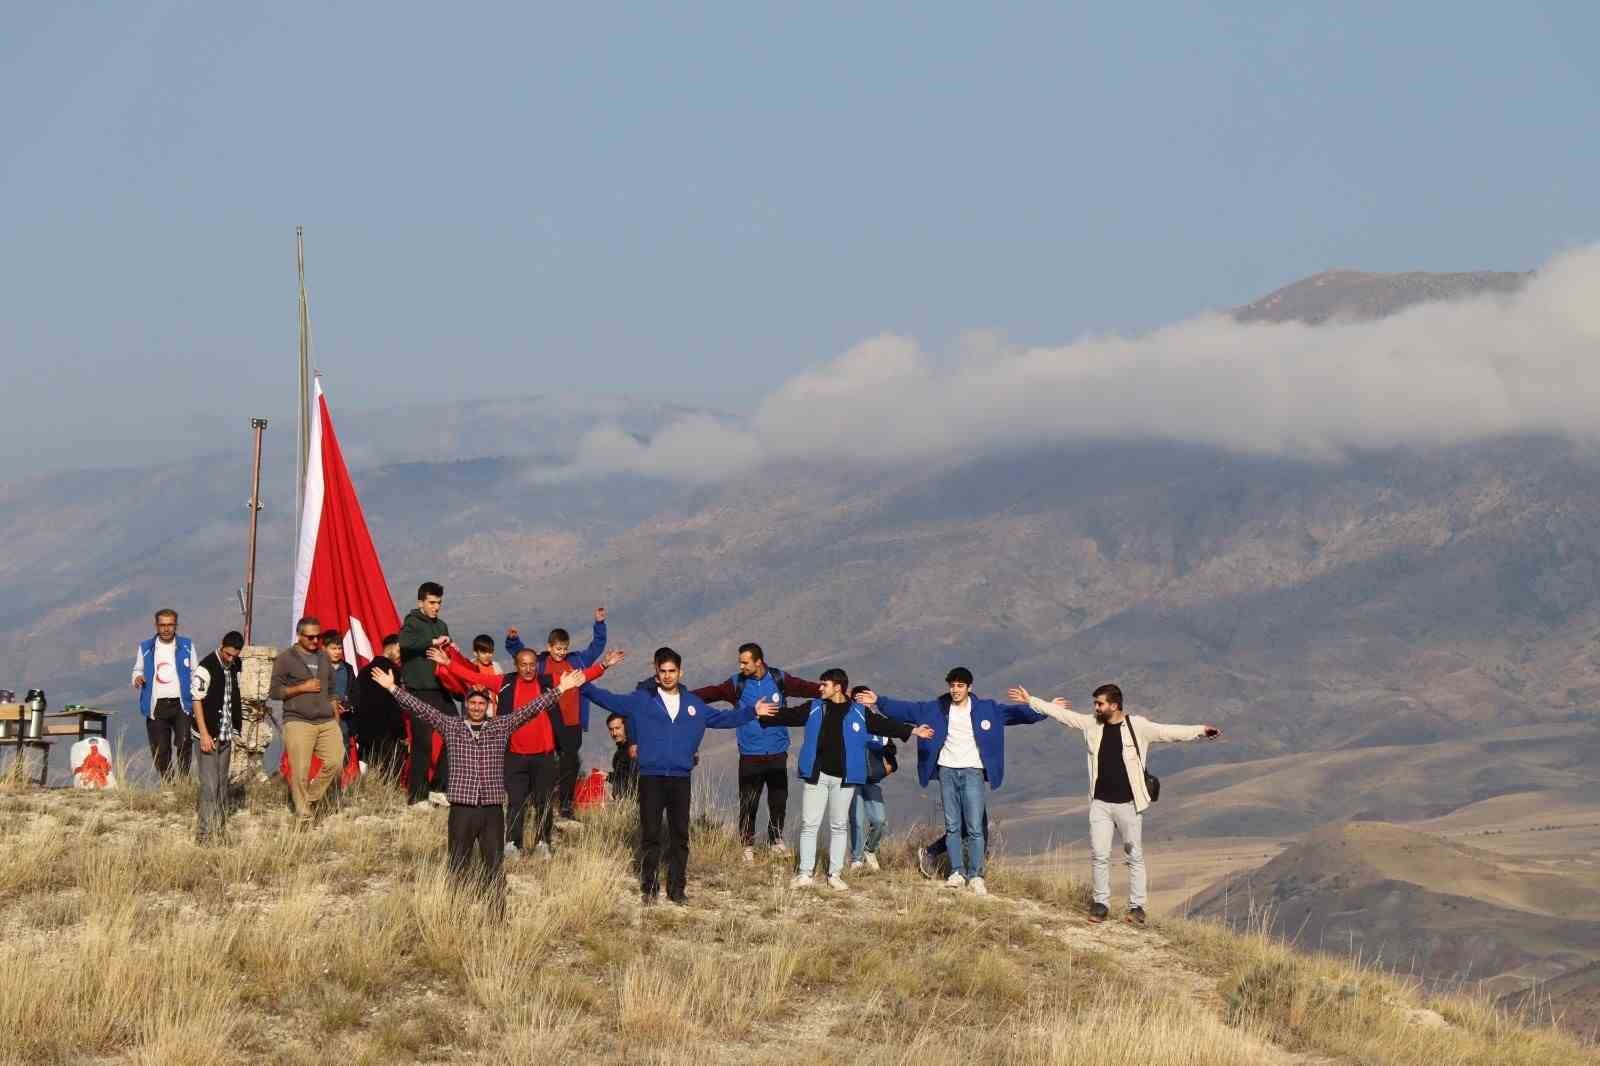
column 799, row 686
column 723, row 693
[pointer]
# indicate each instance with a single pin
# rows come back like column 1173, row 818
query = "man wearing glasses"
column 300, row 676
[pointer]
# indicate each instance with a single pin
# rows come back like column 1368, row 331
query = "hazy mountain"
column 1352, row 294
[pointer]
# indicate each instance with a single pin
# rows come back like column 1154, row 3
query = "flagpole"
column 258, row 425
column 303, row 409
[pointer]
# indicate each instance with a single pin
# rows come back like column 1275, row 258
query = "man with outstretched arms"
column 967, row 753
column 572, row 722
column 477, row 829
column 667, row 722
column 1118, row 796
column 763, row 753
column 833, row 764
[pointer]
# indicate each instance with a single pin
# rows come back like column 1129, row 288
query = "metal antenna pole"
column 258, row 425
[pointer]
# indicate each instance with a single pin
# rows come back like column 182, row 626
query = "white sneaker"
column 568, row 825
column 955, row 881
column 836, row 883
column 541, row 850
column 512, row 851
column 802, row 881
column 438, row 799
column 749, row 855
column 871, row 859
column 978, row 887
column 421, row 805
column 857, row 864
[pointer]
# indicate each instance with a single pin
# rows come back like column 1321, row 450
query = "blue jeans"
column 962, row 790
column 867, row 815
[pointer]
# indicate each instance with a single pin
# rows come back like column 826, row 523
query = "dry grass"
column 127, row 942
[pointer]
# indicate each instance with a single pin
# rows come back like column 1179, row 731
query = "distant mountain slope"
column 1435, row 908
column 1352, row 294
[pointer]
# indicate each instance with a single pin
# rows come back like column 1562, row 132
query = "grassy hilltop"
column 125, row 942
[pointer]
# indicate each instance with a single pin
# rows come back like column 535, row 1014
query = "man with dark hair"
column 555, row 662
column 163, row 676
column 1118, row 794
column 424, row 629
column 217, row 716
column 967, row 753
column 833, row 761
column 763, row 753
column 868, row 812
column 667, row 723
column 341, row 683
column 379, row 722
column 624, row 761
column 477, row 788
column 300, row 679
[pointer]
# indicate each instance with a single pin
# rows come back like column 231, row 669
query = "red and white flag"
column 337, row 577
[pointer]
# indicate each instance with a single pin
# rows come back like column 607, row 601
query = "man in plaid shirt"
column 477, row 746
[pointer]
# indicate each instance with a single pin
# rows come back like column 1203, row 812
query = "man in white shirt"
column 163, row 675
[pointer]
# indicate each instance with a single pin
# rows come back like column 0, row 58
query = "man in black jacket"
column 216, row 718
column 625, row 761
column 378, row 721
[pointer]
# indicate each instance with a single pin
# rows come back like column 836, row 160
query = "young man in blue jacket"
column 667, row 723
column 967, row 753
column 833, row 762
column 763, row 753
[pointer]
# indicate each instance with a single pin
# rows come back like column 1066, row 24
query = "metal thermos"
column 36, row 705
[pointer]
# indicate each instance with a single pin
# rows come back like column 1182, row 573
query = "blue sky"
column 699, row 201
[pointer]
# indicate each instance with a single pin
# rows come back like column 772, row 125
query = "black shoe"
column 680, row 900
column 1098, row 912
column 1135, row 916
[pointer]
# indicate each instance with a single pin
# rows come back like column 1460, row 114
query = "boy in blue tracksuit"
column 966, row 752
column 833, row 761
column 667, row 723
column 763, row 753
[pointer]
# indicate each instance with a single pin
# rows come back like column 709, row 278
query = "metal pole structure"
column 258, row 425
column 303, row 409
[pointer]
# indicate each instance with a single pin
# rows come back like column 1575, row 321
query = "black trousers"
column 480, row 830
column 755, row 773
column 663, row 799
column 168, row 731
column 569, row 739
column 530, row 783
column 422, row 749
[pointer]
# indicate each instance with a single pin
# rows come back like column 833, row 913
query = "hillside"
column 1354, row 294
column 130, row 944
column 1435, row 908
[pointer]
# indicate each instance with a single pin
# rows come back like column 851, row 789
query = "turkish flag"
column 337, row 577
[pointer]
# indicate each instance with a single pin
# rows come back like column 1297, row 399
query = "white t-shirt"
column 164, row 686
column 960, row 746
column 671, row 699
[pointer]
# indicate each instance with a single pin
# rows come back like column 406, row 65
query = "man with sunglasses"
column 300, row 678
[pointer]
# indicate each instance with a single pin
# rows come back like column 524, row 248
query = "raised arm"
column 597, row 642
column 513, row 642
column 623, row 703
column 726, row 692
column 1019, row 714
column 799, row 686
column 882, row 726
column 1059, row 709
column 912, row 711
column 729, row 719
column 771, row 716
column 1177, row 734
column 408, row 702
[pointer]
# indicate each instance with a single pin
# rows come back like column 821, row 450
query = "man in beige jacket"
column 1117, row 795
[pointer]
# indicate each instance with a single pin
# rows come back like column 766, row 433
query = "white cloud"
column 1434, row 374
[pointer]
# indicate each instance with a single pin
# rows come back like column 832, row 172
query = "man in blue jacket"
column 667, row 723
column 163, row 673
column 966, row 752
column 763, row 753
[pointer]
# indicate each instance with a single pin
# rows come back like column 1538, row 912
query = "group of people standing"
column 508, row 745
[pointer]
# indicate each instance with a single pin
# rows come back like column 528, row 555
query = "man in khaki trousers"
column 300, row 678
